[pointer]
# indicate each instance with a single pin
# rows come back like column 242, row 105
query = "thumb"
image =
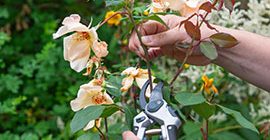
column 170, row 37
column 128, row 135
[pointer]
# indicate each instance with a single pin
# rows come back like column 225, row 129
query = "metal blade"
column 157, row 92
column 142, row 99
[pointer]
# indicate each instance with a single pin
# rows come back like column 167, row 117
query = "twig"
column 101, row 133
column 106, row 128
column 143, row 46
column 104, row 21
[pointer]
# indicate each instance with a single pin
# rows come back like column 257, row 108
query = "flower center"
column 99, row 99
column 82, row 36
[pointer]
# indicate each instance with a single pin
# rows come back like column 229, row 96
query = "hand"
column 128, row 135
column 162, row 41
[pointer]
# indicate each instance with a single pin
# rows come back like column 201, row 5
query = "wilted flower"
column 90, row 94
column 77, row 46
column 208, row 85
column 115, row 20
column 185, row 7
column 137, row 74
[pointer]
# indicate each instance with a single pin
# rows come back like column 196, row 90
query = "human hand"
column 162, row 41
column 128, row 135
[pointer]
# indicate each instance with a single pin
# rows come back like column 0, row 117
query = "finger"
column 170, row 37
column 154, row 53
column 128, row 135
column 152, row 27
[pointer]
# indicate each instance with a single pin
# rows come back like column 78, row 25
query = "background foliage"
column 37, row 84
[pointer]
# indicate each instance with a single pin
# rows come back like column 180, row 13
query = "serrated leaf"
column 82, row 117
column 205, row 109
column 209, row 50
column 239, row 118
column 187, row 99
column 223, row 40
column 192, row 30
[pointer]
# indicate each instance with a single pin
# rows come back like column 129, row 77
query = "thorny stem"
column 143, row 46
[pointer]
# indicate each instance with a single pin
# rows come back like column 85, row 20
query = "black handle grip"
column 135, row 130
column 172, row 132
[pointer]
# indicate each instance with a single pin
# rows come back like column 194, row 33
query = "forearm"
column 249, row 60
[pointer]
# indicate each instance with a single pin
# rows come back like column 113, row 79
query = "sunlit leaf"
column 209, row 50
column 224, row 40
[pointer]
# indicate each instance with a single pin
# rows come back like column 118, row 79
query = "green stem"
column 106, row 128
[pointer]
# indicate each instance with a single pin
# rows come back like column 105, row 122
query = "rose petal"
column 100, row 49
column 77, row 52
column 127, row 83
column 90, row 125
column 128, row 71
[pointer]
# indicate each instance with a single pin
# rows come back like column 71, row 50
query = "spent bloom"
column 89, row 94
column 115, row 20
column 77, row 46
column 185, row 7
column 208, row 85
column 137, row 74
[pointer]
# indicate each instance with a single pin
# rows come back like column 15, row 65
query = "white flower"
column 137, row 74
column 90, row 94
column 77, row 46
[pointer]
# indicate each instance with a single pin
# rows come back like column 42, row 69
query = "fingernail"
column 146, row 39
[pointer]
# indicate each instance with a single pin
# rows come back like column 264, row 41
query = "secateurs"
column 156, row 111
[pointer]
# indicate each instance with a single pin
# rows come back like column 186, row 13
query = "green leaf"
column 156, row 18
column 113, row 85
column 205, row 109
column 109, row 110
column 192, row 131
column 224, row 40
column 89, row 136
column 82, row 117
column 130, row 112
column 114, row 2
column 239, row 118
column 225, row 136
column 208, row 50
column 187, row 99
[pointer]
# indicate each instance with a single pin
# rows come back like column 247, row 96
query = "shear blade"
column 156, row 94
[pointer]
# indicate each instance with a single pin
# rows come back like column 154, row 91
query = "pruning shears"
column 156, row 111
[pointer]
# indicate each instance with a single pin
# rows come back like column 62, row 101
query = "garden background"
column 36, row 85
